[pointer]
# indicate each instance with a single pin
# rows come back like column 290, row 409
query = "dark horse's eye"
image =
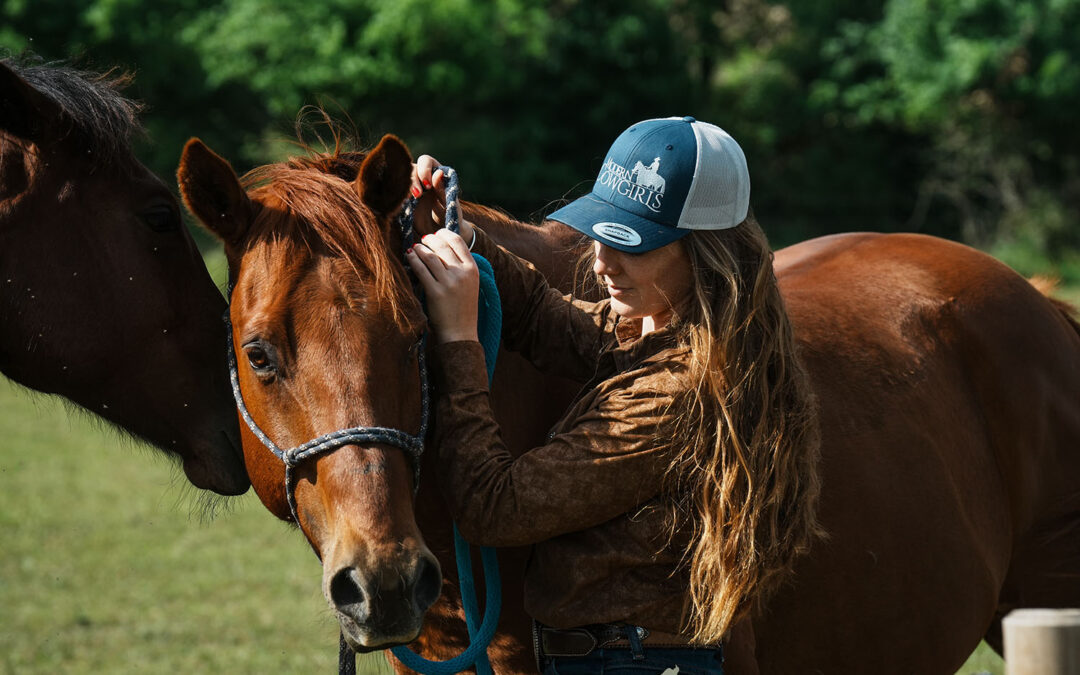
column 161, row 218
column 258, row 358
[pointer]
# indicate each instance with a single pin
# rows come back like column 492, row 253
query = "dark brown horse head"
column 104, row 298
column 326, row 329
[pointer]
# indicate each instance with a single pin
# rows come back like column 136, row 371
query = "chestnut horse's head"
column 104, row 298
column 326, row 330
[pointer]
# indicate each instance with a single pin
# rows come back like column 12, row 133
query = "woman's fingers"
column 428, row 187
column 426, row 172
column 441, row 259
column 432, row 261
column 449, row 247
column 450, row 282
column 420, row 268
column 425, row 164
column 457, row 243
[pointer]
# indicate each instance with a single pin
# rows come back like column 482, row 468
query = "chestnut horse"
column 950, row 411
column 104, row 299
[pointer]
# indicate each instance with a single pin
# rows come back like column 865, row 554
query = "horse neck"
column 554, row 248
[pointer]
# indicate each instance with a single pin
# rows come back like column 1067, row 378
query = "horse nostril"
column 345, row 592
column 428, row 584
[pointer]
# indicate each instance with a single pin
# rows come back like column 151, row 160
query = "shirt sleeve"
column 610, row 461
column 559, row 334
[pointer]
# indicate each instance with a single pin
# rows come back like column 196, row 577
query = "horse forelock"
column 104, row 119
column 313, row 203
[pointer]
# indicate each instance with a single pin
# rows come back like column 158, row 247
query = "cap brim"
column 619, row 229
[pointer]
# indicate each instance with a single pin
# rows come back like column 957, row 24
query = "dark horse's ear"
column 385, row 176
column 24, row 111
column 212, row 192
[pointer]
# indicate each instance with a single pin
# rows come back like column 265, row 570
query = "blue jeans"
column 656, row 661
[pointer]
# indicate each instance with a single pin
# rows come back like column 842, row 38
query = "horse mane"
column 92, row 102
column 313, row 200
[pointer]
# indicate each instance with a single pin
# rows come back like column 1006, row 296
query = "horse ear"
column 385, row 176
column 24, row 111
column 212, row 192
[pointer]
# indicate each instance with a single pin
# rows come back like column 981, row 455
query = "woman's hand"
column 451, row 282
column 429, row 187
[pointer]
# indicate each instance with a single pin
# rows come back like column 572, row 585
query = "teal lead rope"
column 489, row 329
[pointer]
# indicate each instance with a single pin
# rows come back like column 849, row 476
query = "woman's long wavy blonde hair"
column 746, row 453
column 744, row 468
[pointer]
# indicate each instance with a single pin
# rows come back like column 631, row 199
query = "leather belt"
column 581, row 641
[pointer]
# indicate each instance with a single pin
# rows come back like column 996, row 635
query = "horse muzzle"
column 383, row 608
column 216, row 463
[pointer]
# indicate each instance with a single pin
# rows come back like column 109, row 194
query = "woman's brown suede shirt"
column 589, row 500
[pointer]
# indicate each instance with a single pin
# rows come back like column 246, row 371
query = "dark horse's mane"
column 102, row 118
column 313, row 199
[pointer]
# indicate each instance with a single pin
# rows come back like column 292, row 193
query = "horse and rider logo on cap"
column 643, row 184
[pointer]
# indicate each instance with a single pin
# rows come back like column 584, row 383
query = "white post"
column 1042, row 642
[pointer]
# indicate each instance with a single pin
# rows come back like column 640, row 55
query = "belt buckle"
column 619, row 634
column 555, row 643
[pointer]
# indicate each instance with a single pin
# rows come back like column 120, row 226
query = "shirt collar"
column 632, row 347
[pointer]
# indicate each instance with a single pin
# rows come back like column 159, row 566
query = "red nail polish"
column 427, row 183
column 410, row 250
column 415, row 191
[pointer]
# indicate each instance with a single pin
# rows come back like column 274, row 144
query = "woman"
column 679, row 488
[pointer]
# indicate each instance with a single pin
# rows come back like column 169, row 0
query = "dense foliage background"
column 951, row 117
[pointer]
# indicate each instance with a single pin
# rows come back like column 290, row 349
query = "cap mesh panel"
column 719, row 196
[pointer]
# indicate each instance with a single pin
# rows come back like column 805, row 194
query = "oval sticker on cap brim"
column 618, row 233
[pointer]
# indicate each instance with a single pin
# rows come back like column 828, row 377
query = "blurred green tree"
column 989, row 86
column 521, row 95
column 950, row 117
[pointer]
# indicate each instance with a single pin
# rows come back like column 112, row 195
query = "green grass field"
column 108, row 565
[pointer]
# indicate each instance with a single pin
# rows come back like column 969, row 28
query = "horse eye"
column 161, row 218
column 258, row 358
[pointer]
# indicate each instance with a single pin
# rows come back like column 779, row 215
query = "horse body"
column 104, row 298
column 949, row 390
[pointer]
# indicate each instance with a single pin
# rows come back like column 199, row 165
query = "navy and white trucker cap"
column 661, row 179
